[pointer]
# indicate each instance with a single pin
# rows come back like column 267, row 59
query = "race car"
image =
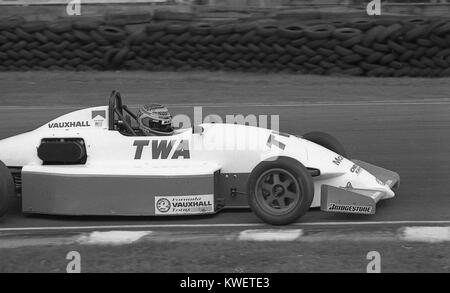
column 94, row 162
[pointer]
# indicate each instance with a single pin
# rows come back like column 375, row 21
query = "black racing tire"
column 222, row 29
column 243, row 28
column 343, row 51
column 291, row 31
column 338, row 23
column 315, row 44
column 7, row 188
column 371, row 35
column 34, row 26
column 346, row 33
column 266, row 30
column 61, row 26
column 155, row 36
column 293, row 50
column 10, row 35
column 23, row 35
column 112, row 33
column 206, row 40
column 416, row 21
column 320, row 31
column 87, row 23
column 381, row 47
column 11, row 22
column 308, row 51
column 82, row 36
column 40, row 37
column 388, row 32
column 396, row 47
column 120, row 57
column 414, row 33
column 176, row 28
column 438, row 40
column 3, row 39
column 52, row 36
column 327, row 141
column 349, row 42
column 361, row 23
column 387, row 59
column 299, row 42
column 408, row 55
column 443, row 29
column 361, row 50
column 353, row 58
column 156, row 26
column 200, row 28
column 375, row 57
column 291, row 191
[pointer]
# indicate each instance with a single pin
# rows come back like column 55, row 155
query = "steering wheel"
column 116, row 118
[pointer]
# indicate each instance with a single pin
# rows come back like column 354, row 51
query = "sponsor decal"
column 99, row 117
column 272, row 141
column 70, row 124
column 338, row 160
column 380, row 182
column 163, row 205
column 344, row 208
column 162, row 149
column 184, row 204
column 355, row 169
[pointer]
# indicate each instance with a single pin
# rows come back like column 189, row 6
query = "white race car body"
column 194, row 171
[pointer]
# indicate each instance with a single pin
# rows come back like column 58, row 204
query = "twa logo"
column 161, row 149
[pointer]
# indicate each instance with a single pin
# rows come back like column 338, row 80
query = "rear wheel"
column 327, row 141
column 7, row 188
column 280, row 191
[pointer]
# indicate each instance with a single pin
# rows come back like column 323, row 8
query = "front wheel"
column 280, row 191
column 7, row 188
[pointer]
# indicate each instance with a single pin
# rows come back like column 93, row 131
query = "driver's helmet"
column 155, row 119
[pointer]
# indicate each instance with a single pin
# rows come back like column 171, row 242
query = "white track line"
column 112, row 237
column 425, row 234
column 69, row 228
column 240, row 105
column 270, row 235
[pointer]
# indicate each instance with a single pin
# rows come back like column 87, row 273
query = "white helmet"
column 155, row 119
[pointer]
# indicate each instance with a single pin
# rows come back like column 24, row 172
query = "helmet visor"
column 164, row 125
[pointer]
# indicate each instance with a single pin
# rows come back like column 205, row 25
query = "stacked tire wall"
column 362, row 47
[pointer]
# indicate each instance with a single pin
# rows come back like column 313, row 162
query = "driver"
column 155, row 119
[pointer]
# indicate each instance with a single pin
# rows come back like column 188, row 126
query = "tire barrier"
column 360, row 47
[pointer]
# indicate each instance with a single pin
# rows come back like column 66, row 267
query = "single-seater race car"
column 94, row 162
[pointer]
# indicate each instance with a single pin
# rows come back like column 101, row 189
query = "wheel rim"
column 277, row 191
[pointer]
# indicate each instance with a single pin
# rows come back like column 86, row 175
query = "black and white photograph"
column 224, row 144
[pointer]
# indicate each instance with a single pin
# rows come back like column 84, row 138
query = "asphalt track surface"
column 400, row 124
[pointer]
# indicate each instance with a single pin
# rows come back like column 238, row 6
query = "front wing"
column 358, row 201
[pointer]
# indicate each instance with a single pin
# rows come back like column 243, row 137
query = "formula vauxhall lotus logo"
column 163, row 205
